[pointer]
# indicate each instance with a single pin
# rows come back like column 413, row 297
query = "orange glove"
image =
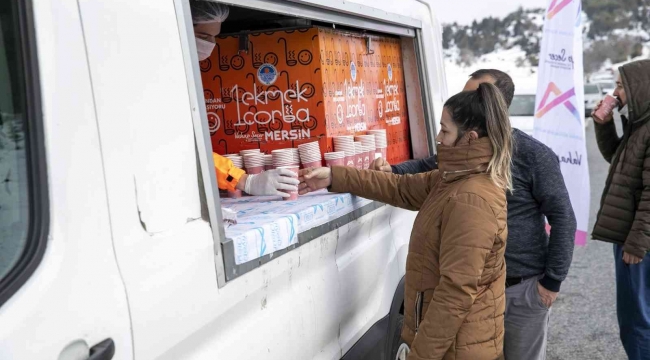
column 227, row 174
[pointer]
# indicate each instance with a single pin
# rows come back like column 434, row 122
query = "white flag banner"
column 559, row 105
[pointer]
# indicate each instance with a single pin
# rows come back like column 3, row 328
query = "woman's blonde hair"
column 485, row 111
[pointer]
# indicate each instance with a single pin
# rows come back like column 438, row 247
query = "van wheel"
column 398, row 349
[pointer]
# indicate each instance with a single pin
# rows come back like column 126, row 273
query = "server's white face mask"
column 624, row 111
column 204, row 48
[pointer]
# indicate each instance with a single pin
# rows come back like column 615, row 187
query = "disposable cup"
column 606, row 108
column 335, row 162
column 313, row 164
column 334, row 155
column 351, row 161
column 255, row 170
column 359, row 161
column 294, row 194
column 366, row 160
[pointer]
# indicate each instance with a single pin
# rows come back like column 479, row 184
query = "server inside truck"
column 207, row 18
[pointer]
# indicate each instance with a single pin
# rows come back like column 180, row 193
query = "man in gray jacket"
column 536, row 263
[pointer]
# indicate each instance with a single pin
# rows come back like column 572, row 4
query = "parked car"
column 522, row 111
column 606, row 87
column 593, row 94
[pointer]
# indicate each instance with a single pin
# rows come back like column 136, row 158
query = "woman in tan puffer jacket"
column 455, row 272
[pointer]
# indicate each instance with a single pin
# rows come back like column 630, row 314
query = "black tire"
column 396, row 338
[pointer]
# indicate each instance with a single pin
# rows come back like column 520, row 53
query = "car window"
column 522, row 105
column 591, row 89
column 14, row 200
column 23, row 205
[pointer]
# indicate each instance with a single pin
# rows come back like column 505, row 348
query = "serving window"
column 277, row 80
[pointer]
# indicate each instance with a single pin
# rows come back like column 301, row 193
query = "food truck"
column 113, row 242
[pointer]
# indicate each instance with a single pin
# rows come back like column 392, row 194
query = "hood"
column 636, row 82
column 464, row 159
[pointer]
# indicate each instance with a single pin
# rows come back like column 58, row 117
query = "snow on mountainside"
column 613, row 35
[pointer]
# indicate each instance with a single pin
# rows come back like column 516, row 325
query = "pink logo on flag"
column 556, row 8
column 561, row 98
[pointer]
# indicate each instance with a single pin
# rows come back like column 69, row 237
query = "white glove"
column 271, row 182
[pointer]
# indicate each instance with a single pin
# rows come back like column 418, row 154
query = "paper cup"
column 335, row 162
column 606, row 108
column 359, row 161
column 366, row 160
column 294, row 194
column 254, row 170
column 313, row 164
column 350, row 161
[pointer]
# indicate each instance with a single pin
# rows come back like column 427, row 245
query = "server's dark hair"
column 484, row 111
column 502, row 81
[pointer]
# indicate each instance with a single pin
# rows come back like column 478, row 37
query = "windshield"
column 591, row 89
column 522, row 105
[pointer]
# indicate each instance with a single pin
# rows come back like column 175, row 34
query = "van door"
column 61, row 294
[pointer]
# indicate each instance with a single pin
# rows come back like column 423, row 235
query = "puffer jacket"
column 624, row 215
column 454, row 300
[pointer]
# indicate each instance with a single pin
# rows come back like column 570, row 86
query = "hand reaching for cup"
column 313, row 179
column 380, row 164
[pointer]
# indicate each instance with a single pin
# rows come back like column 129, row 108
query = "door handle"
column 103, row 351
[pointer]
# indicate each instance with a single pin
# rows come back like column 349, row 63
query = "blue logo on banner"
column 353, row 71
column 390, row 72
column 267, row 74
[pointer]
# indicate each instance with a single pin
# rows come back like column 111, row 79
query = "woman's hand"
column 380, row 164
column 313, row 179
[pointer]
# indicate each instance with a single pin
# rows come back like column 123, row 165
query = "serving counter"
column 268, row 227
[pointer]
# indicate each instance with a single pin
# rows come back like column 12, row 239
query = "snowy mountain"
column 615, row 32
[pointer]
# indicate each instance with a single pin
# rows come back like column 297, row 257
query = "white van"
column 111, row 239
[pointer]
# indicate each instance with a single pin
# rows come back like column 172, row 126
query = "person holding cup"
column 624, row 215
column 454, row 299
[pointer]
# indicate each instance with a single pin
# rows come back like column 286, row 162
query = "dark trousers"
column 633, row 305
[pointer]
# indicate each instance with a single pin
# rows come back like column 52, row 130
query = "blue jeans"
column 633, row 305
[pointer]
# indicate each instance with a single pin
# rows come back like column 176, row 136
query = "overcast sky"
column 465, row 11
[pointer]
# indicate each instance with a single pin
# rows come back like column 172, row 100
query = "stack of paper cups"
column 360, row 151
column 335, row 159
column 381, row 142
column 296, row 155
column 245, row 152
column 368, row 142
column 237, row 160
column 283, row 157
column 345, row 144
column 268, row 162
column 310, row 155
column 254, row 163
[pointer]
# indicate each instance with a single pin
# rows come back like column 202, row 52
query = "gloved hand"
column 271, row 182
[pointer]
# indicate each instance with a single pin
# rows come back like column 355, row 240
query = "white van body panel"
column 76, row 297
column 131, row 257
